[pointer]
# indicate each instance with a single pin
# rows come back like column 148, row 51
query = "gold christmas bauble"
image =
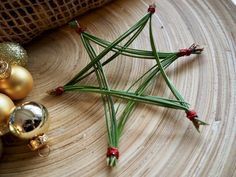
column 18, row 85
column 6, row 106
column 13, row 53
column 29, row 120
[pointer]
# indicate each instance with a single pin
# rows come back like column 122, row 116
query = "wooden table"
column 157, row 141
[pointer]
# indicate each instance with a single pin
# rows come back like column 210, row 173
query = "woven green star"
column 116, row 125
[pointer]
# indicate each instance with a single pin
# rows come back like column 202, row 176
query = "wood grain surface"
column 156, row 141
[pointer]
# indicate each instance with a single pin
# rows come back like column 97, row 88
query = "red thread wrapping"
column 112, row 151
column 152, row 8
column 59, row 91
column 185, row 52
column 191, row 115
column 80, row 30
column 188, row 51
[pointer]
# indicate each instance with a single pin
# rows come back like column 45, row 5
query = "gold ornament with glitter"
column 13, row 53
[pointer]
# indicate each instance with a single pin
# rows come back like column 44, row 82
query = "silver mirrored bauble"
column 29, row 120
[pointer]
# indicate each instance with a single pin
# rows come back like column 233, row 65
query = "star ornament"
column 116, row 122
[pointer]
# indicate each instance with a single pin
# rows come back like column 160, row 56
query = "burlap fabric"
column 22, row 20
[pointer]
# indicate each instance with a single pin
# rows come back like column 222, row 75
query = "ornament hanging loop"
column 42, row 153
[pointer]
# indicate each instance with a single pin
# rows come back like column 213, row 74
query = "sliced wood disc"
column 156, row 141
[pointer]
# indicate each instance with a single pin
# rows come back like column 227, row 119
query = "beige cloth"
column 22, row 20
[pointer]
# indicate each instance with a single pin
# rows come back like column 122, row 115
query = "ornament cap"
column 38, row 142
column 5, row 70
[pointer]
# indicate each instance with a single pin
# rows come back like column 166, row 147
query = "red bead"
column 112, row 151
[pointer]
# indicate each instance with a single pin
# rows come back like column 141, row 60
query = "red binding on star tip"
column 184, row 52
column 191, row 115
column 59, row 91
column 188, row 51
column 152, row 8
column 79, row 28
column 112, row 151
